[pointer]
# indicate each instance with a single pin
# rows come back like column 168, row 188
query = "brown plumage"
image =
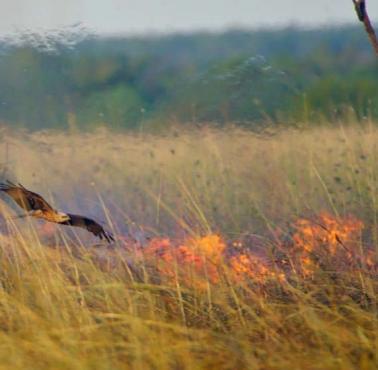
column 39, row 208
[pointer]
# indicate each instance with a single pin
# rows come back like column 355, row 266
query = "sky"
column 162, row 16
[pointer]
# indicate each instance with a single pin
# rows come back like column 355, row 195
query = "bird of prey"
column 37, row 207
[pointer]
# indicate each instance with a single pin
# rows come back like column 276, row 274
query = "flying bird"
column 37, row 207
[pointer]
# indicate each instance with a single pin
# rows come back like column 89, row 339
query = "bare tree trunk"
column 361, row 10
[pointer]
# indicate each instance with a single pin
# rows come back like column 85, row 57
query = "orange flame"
column 329, row 231
column 247, row 266
column 198, row 262
column 326, row 237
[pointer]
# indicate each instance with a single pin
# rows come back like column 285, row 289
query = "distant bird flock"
column 37, row 207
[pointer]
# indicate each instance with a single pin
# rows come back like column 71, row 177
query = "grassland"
column 234, row 251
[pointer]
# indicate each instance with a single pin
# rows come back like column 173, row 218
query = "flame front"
column 317, row 241
column 203, row 261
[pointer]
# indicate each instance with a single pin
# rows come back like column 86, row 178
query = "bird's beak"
column 63, row 217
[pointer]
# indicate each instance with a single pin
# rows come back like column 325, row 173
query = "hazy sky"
column 144, row 16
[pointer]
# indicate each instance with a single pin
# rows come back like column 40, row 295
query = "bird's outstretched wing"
column 30, row 201
column 26, row 199
column 90, row 225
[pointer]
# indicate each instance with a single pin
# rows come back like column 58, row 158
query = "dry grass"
column 66, row 304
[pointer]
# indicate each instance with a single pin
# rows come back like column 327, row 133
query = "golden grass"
column 66, row 304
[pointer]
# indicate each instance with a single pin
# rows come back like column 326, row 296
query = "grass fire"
column 231, row 250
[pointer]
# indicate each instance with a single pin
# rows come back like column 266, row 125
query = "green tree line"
column 244, row 77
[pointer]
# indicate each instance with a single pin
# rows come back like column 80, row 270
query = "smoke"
column 244, row 91
column 51, row 41
column 6, row 165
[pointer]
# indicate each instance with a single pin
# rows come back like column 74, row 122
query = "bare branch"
column 361, row 10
